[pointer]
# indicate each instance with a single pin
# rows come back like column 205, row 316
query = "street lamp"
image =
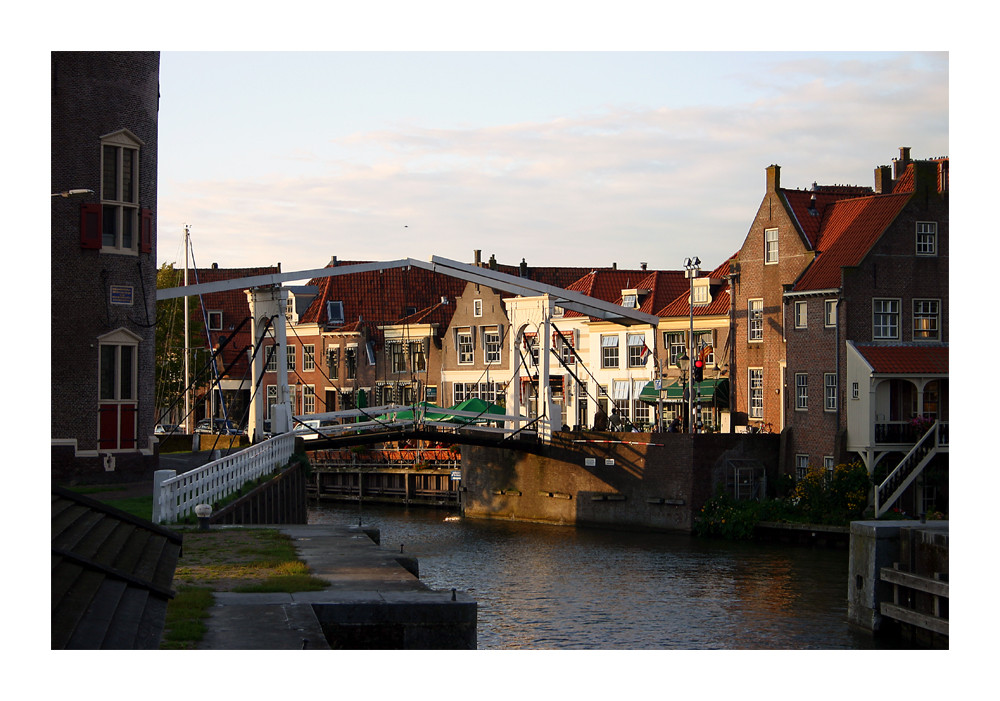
column 692, row 266
column 682, row 365
column 70, row 193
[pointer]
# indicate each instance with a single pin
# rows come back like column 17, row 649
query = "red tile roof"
column 907, row 360
column 849, row 229
column 607, row 284
column 720, row 304
column 809, row 213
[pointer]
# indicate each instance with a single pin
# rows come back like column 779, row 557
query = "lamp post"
column 682, row 365
column 692, row 266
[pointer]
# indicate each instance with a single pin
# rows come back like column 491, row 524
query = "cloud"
column 618, row 185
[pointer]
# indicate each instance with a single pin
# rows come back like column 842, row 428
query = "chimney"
column 493, row 261
column 773, row 178
column 642, row 265
column 477, row 258
column 883, row 180
column 901, row 162
column 524, row 268
column 215, row 266
column 333, row 261
column 614, row 266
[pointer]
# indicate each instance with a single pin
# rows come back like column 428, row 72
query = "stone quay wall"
column 616, row 480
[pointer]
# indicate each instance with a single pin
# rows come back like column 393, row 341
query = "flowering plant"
column 921, row 423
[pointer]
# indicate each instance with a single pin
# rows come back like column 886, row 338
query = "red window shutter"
column 146, row 231
column 107, row 438
column 90, row 225
column 126, row 434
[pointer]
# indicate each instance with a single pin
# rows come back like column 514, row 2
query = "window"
column 397, row 357
column 705, row 340
column 926, row 238
column 701, row 293
column 801, row 391
column 565, row 346
column 308, row 399
column 830, row 391
column 770, row 246
column 271, row 358
column 755, row 318
column 333, row 362
column 272, row 399
column 119, row 193
column 609, row 351
column 676, row 344
column 756, row 393
column 630, row 301
column 855, row 391
column 477, row 307
column 637, row 350
column 308, row 356
column 335, row 312
column 215, row 321
column 351, row 363
column 465, row 347
column 118, row 406
column 491, row 346
column 418, row 357
column 290, row 357
column 801, row 314
column 531, row 346
column 801, row 466
column 885, row 319
column 830, row 312
column 828, row 463
column 925, row 320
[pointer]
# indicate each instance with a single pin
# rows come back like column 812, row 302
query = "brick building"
column 832, row 271
column 104, row 108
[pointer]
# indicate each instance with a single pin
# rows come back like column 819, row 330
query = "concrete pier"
column 375, row 601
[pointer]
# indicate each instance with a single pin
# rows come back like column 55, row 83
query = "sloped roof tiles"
column 907, row 360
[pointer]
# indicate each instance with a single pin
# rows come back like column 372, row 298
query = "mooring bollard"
column 203, row 512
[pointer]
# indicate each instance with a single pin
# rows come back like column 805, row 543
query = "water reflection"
column 556, row 587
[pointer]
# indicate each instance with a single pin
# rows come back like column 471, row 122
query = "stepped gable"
column 906, row 359
column 849, row 229
column 111, row 576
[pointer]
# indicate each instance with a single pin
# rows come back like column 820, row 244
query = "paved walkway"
column 363, row 577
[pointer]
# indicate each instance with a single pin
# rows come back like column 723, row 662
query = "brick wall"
column 94, row 94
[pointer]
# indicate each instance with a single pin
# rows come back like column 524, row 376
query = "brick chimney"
column 901, row 162
column 773, row 178
column 883, row 180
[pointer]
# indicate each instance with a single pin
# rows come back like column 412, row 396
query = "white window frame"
column 418, row 356
column 885, row 318
column 270, row 352
column 397, row 358
column 271, row 400
column 698, row 345
column 351, row 363
column 335, row 312
column 701, row 294
column 770, row 246
column 830, row 312
column 855, row 390
column 609, row 351
column 801, row 465
column 935, row 316
column 215, row 320
column 477, row 307
column 290, row 357
column 123, row 390
column 119, row 209
column 801, row 391
column 635, row 343
column 676, row 343
column 333, row 362
column 491, row 346
column 308, row 399
column 464, row 347
column 755, row 320
column 630, row 300
column 926, row 238
column 755, row 393
column 828, row 463
column 308, row 357
column 801, row 314
column 830, row 391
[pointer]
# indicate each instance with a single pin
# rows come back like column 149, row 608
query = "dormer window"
column 701, row 293
column 630, row 301
column 335, row 312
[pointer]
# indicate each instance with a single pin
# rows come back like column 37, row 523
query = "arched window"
column 118, row 390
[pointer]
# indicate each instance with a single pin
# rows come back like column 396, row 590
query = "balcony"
column 903, row 434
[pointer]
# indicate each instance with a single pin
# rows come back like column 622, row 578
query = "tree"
column 170, row 343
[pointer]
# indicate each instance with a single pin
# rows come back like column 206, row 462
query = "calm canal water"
column 558, row 587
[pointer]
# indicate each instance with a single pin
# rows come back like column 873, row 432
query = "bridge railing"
column 175, row 496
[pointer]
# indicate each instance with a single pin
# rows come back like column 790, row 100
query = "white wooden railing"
column 175, row 496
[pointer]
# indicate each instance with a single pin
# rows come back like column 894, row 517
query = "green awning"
column 716, row 390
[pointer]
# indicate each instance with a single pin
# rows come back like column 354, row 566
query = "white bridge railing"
column 175, row 496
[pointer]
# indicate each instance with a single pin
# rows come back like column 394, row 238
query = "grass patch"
column 137, row 506
column 229, row 559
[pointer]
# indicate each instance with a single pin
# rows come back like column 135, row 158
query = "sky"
column 577, row 158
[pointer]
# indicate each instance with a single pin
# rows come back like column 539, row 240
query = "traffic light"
column 698, row 370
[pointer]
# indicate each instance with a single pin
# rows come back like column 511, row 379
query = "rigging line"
column 145, row 306
column 584, row 365
column 208, row 332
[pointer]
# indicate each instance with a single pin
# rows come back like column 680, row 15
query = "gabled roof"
column 906, row 360
column 111, row 576
column 808, row 207
column 607, row 284
column 849, row 229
